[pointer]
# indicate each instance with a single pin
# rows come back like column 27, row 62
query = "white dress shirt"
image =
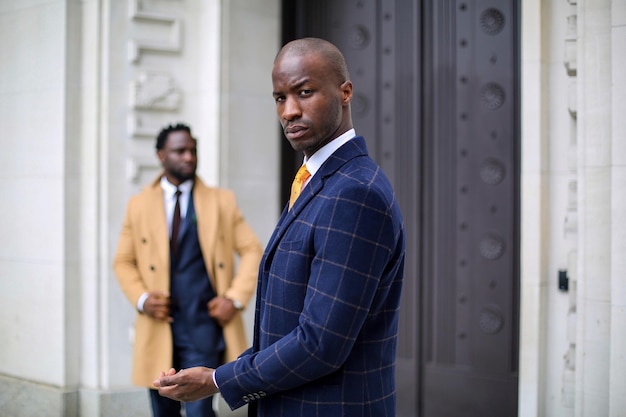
column 169, row 195
column 316, row 160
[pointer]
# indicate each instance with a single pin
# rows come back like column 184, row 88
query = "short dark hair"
column 163, row 134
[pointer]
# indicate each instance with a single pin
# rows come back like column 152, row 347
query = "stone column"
column 534, row 211
column 617, row 381
column 593, row 359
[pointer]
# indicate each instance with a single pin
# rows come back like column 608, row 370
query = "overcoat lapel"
column 155, row 218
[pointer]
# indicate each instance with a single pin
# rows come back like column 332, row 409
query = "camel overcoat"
column 142, row 264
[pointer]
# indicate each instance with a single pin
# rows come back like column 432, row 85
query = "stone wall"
column 84, row 89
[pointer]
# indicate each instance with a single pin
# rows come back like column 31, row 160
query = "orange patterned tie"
column 301, row 176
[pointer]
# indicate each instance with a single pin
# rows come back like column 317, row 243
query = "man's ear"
column 346, row 91
column 161, row 155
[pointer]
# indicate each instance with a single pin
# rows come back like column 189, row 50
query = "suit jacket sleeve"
column 345, row 250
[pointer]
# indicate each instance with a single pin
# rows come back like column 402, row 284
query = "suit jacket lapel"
column 206, row 218
column 189, row 217
column 288, row 216
column 351, row 149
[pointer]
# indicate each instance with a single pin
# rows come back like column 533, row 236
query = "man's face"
column 178, row 157
column 311, row 103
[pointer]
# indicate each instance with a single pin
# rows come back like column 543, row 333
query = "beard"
column 182, row 175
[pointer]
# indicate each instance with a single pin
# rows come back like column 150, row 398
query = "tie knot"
column 177, row 193
column 302, row 175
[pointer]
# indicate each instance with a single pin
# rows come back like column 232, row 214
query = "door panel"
column 471, row 305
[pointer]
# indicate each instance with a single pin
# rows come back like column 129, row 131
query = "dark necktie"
column 175, row 225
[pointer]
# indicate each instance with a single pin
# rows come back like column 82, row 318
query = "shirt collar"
column 170, row 189
column 316, row 160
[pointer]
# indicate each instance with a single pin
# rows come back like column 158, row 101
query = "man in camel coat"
column 175, row 262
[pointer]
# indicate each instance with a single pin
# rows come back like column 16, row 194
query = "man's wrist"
column 215, row 380
column 236, row 304
column 141, row 301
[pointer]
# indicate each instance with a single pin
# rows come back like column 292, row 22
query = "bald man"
column 329, row 284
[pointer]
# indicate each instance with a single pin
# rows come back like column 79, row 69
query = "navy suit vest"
column 191, row 290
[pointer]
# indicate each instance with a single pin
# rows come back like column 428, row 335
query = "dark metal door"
column 471, row 307
column 436, row 97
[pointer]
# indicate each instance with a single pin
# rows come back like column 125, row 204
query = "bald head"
column 312, row 91
column 330, row 54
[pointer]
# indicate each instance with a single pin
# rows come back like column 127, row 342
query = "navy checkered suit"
column 327, row 300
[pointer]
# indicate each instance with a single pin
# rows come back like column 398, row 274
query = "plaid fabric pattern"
column 327, row 300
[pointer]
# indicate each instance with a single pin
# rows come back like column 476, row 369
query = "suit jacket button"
column 221, row 265
column 152, row 268
column 144, row 240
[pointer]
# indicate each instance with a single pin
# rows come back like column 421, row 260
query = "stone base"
column 22, row 398
column 132, row 402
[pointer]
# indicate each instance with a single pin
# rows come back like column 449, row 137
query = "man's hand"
column 157, row 306
column 222, row 310
column 190, row 384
